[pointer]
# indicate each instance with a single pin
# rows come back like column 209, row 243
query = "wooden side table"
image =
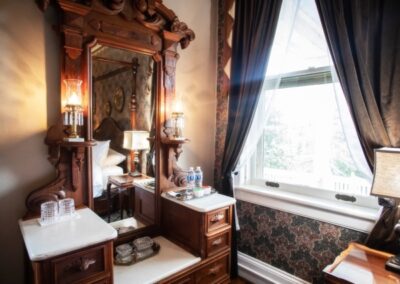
column 122, row 183
column 360, row 264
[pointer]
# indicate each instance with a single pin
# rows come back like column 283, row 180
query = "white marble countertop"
column 56, row 239
column 206, row 203
column 143, row 183
column 169, row 260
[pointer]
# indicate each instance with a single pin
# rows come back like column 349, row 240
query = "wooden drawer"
column 144, row 206
column 81, row 267
column 218, row 242
column 187, row 279
column 103, row 281
column 218, row 219
column 214, row 272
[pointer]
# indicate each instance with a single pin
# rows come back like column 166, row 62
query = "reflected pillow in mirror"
column 113, row 158
column 100, row 151
column 97, row 181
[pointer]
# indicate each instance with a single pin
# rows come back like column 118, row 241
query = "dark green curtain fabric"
column 253, row 34
column 364, row 40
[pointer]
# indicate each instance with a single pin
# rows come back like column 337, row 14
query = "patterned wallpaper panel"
column 226, row 12
column 295, row 244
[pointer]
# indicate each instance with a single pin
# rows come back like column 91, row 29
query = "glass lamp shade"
column 177, row 106
column 73, row 112
column 136, row 140
column 73, row 92
column 178, row 124
column 386, row 173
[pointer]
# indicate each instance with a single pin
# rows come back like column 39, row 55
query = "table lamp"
column 387, row 184
column 178, row 120
column 135, row 140
column 73, row 114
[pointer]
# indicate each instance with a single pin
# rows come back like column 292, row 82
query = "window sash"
column 311, row 76
column 255, row 166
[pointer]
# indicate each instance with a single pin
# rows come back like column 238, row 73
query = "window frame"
column 308, row 77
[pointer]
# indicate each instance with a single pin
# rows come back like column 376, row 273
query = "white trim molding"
column 257, row 272
column 361, row 219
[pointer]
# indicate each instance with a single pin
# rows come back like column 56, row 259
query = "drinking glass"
column 67, row 207
column 48, row 212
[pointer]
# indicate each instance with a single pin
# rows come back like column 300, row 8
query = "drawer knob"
column 214, row 271
column 86, row 263
column 217, row 242
column 217, row 217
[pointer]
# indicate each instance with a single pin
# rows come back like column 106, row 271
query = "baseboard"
column 257, row 271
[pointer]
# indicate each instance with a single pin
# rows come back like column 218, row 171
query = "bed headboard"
column 109, row 130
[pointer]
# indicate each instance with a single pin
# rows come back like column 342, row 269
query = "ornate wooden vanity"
column 125, row 53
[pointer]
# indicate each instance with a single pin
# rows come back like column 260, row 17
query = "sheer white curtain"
column 276, row 64
column 349, row 130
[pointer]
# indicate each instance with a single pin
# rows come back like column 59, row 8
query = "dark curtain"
column 253, row 34
column 364, row 40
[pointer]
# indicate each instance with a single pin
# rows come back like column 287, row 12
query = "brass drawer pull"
column 217, row 217
column 79, row 264
column 214, row 271
column 217, row 242
column 86, row 263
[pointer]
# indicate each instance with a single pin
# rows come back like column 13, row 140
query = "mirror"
column 123, row 99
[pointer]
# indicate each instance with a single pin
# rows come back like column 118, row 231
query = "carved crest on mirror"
column 143, row 26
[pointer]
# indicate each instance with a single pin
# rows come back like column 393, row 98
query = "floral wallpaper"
column 295, row 244
column 225, row 26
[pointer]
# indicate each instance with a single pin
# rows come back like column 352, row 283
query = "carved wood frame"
column 145, row 26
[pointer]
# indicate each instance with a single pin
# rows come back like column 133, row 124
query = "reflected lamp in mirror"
column 135, row 141
column 178, row 120
column 73, row 113
column 387, row 184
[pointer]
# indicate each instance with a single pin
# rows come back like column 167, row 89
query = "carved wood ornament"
column 144, row 26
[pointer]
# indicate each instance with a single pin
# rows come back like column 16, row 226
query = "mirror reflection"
column 123, row 123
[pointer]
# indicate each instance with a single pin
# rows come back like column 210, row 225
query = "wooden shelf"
column 168, row 141
column 89, row 143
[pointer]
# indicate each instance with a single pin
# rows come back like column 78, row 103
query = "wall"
column 196, row 83
column 29, row 104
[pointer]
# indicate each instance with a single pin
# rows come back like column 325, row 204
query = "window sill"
column 350, row 216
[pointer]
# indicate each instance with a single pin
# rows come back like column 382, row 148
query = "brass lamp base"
column 74, row 139
column 393, row 264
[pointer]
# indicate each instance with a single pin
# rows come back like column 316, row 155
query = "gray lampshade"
column 136, row 140
column 387, row 173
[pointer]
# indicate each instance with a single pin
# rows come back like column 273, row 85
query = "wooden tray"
column 184, row 195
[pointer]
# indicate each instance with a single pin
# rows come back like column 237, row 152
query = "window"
column 303, row 134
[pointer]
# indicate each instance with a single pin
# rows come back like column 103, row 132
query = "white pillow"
column 100, row 151
column 113, row 158
column 110, row 171
column 97, row 181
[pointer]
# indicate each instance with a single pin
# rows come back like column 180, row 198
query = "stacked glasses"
column 53, row 211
